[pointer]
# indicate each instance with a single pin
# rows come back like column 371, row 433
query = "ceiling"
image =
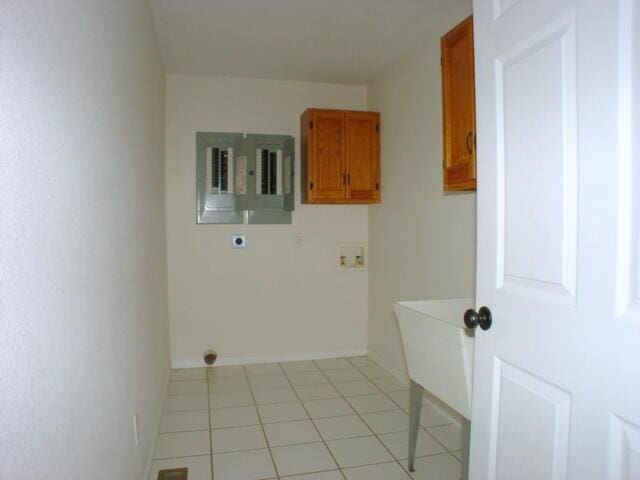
column 341, row 41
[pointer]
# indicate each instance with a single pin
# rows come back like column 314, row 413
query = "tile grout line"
column 365, row 423
column 420, row 426
column 314, row 423
column 264, row 433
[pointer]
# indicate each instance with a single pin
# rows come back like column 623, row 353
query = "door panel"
column 362, row 153
column 328, row 151
column 536, row 150
column 556, row 389
column 547, row 431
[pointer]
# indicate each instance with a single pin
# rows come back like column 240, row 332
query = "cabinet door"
column 363, row 157
column 327, row 158
column 458, row 106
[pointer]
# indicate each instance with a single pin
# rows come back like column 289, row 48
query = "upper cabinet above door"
column 458, row 108
column 340, row 157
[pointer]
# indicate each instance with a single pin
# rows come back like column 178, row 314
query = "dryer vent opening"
column 210, row 357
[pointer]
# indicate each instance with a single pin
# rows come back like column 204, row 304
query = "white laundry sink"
column 439, row 348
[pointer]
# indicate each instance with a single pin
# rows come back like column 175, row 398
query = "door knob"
column 482, row 317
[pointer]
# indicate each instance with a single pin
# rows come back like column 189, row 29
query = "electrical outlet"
column 299, row 240
column 136, row 430
column 238, row 240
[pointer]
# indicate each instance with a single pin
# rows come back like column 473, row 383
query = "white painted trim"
column 156, row 429
column 400, row 375
column 286, row 357
column 437, row 404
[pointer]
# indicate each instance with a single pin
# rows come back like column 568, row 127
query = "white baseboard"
column 286, row 357
column 156, row 429
column 441, row 407
column 399, row 374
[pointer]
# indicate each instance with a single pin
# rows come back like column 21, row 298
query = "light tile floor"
column 335, row 419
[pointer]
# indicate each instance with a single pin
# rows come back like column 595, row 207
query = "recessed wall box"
column 352, row 256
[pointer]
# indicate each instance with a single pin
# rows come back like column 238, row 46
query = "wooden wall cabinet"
column 458, row 108
column 340, row 157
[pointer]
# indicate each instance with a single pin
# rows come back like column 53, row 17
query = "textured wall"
column 274, row 298
column 83, row 321
column 421, row 241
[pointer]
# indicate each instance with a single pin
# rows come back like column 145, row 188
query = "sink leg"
column 415, row 407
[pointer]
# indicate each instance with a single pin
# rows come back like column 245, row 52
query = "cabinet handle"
column 348, row 179
column 344, row 179
column 469, row 142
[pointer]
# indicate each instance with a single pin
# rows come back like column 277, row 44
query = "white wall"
column 273, row 298
column 83, row 321
column 421, row 241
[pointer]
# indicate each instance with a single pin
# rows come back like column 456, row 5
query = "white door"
column 557, row 377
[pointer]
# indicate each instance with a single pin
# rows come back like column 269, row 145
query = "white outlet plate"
column 238, row 240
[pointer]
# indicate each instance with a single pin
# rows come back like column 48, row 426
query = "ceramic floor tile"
column 401, row 397
column 290, row 433
column 282, row 412
column 189, row 374
column 248, row 465
column 335, row 428
column 361, row 361
column 263, row 369
column 301, row 366
column 371, row 403
column 240, row 398
column 182, row 444
column 381, row 471
column 317, row 392
column 333, row 363
column 274, row 395
column 398, row 444
column 297, row 459
column 449, row 435
column 375, row 372
column 332, row 475
column 307, row 378
column 228, row 384
column 437, row 467
column 344, row 375
column 268, row 381
column 390, row 384
column 237, row 438
column 184, row 421
column 359, row 387
column 353, row 452
column 331, row 407
column 199, row 467
column 387, row 422
column 234, row 417
column 430, row 417
column 177, row 403
column 227, row 371
column 187, row 387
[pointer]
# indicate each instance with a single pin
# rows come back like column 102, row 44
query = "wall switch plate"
column 136, row 430
column 298, row 240
column 238, row 240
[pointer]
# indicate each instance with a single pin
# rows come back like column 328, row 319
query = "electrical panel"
column 244, row 178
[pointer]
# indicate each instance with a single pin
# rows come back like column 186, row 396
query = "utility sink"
column 439, row 352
